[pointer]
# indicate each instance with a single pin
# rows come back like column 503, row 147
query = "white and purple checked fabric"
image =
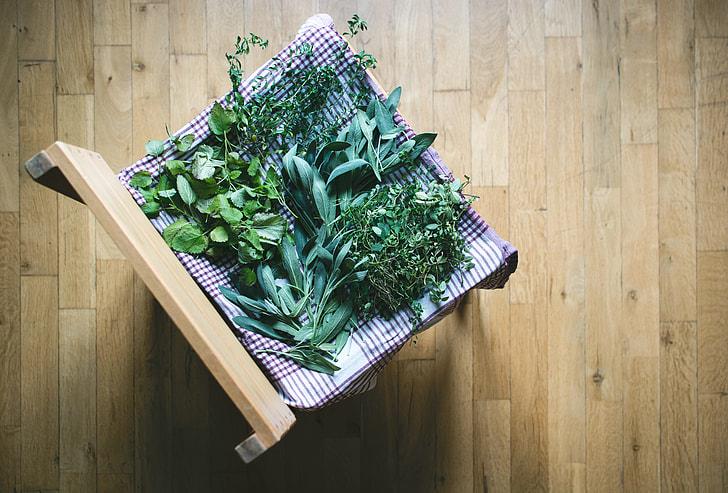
column 374, row 342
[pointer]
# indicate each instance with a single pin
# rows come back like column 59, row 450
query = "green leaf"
column 257, row 326
column 184, row 236
column 185, row 142
column 324, row 204
column 203, row 165
column 291, row 263
column 219, row 234
column 270, row 227
column 175, row 166
column 151, row 209
column 393, row 99
column 247, row 276
column 312, row 360
column 231, row 215
column 346, row 168
column 238, row 198
column 142, row 179
column 220, row 119
column 254, row 166
column 422, row 142
column 186, row 193
column 154, row 147
column 254, row 239
column 167, row 194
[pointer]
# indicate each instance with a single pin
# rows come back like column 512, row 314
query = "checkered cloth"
column 374, row 342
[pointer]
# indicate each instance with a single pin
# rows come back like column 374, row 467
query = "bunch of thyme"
column 410, row 241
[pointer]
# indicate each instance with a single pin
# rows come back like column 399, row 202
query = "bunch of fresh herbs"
column 409, row 239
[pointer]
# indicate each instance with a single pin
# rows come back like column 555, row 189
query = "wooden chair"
column 84, row 176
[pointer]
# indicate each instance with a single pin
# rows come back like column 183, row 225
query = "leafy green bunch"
column 322, row 182
column 225, row 204
column 303, row 300
column 408, row 236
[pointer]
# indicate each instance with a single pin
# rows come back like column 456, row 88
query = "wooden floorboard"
column 596, row 135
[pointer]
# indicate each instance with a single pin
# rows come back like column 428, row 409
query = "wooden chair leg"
column 250, row 448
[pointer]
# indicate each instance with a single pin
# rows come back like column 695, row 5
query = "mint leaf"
column 141, row 179
column 231, row 216
column 151, row 209
column 185, row 237
column 270, row 227
column 154, row 147
column 175, row 166
column 219, row 234
column 184, row 143
column 185, row 190
column 220, row 119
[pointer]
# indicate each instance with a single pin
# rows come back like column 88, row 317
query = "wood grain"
column 39, row 382
column 38, row 207
column 9, row 176
column 74, row 49
column 36, row 30
column 77, row 404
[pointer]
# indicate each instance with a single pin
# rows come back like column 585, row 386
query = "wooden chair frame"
column 84, row 176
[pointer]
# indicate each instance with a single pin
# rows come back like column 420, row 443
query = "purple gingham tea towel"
column 374, row 342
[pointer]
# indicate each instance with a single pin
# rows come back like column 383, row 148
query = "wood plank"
column 451, row 45
column 712, row 176
column 39, row 382
column 566, row 324
column 711, row 71
column 603, row 291
column 604, row 340
column 641, row 423
column 9, row 321
column 638, row 69
column 187, row 27
column 526, row 152
column 10, row 458
column 529, row 397
column 489, row 108
column 491, row 315
column 114, row 367
column 712, row 316
column 379, row 432
column 711, row 18
column 713, row 442
column 36, row 30
column 190, row 382
column 112, row 121
column 9, row 176
column 152, row 393
column 112, row 22
column 491, row 445
column 76, row 224
column 676, row 167
column 413, row 62
column 675, row 54
column 600, row 85
column 563, row 17
column 188, row 88
column 112, row 105
column 679, row 406
column 38, row 206
column 341, row 445
column 640, row 250
column 604, row 445
column 75, row 50
column 77, row 405
column 525, row 46
column 416, row 426
column 452, row 124
column 150, row 73
column 226, row 19
column 454, row 387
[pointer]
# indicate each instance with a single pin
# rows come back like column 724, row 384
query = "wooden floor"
column 595, row 133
